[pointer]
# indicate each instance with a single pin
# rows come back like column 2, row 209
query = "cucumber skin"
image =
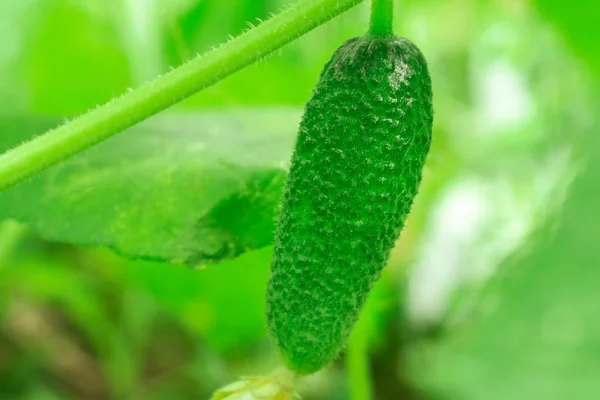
column 356, row 169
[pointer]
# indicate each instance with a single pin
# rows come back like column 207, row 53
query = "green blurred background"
column 491, row 293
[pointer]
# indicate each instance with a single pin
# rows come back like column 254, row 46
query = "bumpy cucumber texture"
column 355, row 171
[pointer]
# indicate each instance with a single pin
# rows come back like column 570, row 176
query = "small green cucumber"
column 355, row 171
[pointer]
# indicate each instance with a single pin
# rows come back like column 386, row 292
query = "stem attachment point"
column 382, row 18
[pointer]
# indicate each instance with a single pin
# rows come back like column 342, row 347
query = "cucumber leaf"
column 192, row 188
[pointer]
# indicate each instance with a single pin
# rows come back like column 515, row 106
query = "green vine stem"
column 382, row 17
column 137, row 105
column 357, row 362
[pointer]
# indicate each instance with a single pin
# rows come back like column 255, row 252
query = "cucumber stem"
column 382, row 18
column 357, row 364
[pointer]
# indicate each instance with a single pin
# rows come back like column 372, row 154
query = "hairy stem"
column 137, row 105
column 357, row 364
column 382, row 17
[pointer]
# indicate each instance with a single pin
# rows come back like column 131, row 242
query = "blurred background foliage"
column 491, row 292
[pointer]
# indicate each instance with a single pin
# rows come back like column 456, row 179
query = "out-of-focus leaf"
column 520, row 145
column 72, row 66
column 75, row 293
column 224, row 304
column 539, row 336
column 580, row 25
column 15, row 21
column 11, row 233
column 527, row 328
column 40, row 391
column 42, row 280
column 186, row 188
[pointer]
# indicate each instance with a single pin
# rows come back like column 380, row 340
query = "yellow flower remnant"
column 278, row 386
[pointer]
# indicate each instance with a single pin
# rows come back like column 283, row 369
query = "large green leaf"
column 181, row 188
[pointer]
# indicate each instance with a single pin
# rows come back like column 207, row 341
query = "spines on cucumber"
column 355, row 172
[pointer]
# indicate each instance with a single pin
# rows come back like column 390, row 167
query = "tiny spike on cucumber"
column 356, row 169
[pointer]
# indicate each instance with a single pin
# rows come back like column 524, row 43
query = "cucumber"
column 355, row 171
